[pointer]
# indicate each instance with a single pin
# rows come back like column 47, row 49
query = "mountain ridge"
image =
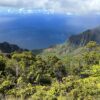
column 86, row 36
column 6, row 47
column 75, row 42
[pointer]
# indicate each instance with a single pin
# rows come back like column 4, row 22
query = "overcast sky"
column 62, row 6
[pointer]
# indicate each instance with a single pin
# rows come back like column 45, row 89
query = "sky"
column 36, row 24
column 54, row 6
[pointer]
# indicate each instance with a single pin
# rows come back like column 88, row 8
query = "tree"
column 91, row 45
column 2, row 64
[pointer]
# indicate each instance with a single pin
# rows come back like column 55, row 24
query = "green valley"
column 70, row 71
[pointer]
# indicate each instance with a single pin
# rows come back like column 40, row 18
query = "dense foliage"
column 36, row 77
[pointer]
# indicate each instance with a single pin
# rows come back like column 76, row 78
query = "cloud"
column 65, row 6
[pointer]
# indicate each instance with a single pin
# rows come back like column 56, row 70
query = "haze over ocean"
column 39, row 24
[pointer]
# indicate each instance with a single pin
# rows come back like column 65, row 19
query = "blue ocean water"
column 39, row 30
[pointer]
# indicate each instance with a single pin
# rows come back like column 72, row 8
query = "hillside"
column 75, row 42
column 25, row 76
column 5, row 47
column 86, row 36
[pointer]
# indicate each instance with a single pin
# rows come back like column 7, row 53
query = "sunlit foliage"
column 27, row 76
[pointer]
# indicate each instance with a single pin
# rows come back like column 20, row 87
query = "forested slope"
column 75, row 43
column 27, row 76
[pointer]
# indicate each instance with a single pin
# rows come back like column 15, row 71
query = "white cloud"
column 65, row 6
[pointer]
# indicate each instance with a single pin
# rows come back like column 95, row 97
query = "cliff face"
column 83, row 38
column 76, row 42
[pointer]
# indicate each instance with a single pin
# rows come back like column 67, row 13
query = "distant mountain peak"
column 76, row 42
column 86, row 36
column 6, row 47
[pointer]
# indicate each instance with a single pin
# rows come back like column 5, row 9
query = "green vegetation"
column 24, row 76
